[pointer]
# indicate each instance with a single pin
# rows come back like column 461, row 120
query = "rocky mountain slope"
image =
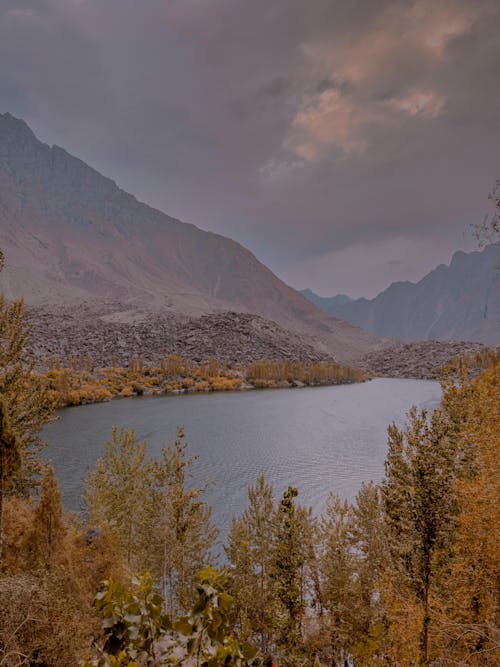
column 71, row 235
column 235, row 338
column 422, row 360
column 108, row 336
column 458, row 302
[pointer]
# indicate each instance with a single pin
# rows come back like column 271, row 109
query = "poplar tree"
column 159, row 523
column 10, row 459
column 49, row 529
column 25, row 396
column 180, row 531
column 290, row 552
column 421, row 509
column 25, row 406
column 368, row 545
column 250, row 553
column 118, row 494
column 471, row 627
column 337, row 567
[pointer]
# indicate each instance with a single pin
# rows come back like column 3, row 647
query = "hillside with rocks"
column 108, row 335
column 70, row 236
column 459, row 302
column 423, row 360
column 234, row 338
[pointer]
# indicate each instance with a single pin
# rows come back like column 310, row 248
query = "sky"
column 347, row 143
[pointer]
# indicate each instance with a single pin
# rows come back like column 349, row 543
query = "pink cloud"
column 423, row 103
column 401, row 50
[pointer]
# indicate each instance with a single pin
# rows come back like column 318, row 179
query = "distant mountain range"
column 457, row 302
column 71, row 236
column 326, row 303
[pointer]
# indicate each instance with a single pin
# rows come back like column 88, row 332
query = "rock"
column 233, row 338
column 422, row 360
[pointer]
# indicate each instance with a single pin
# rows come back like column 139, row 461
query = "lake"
column 318, row 439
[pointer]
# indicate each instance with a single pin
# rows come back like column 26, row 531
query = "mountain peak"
column 70, row 234
column 12, row 128
column 456, row 302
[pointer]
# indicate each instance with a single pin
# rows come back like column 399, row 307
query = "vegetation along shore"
column 407, row 574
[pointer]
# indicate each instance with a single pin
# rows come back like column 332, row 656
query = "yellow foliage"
column 263, row 384
column 472, row 616
column 224, row 383
column 50, row 572
column 202, row 385
column 77, row 384
column 308, row 372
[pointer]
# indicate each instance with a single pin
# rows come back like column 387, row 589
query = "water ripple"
column 319, row 440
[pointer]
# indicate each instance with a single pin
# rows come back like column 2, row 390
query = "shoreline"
column 73, row 386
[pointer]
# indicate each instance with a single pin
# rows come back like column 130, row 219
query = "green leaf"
column 248, row 651
column 183, row 626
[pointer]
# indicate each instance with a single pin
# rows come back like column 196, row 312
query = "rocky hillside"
column 457, row 302
column 109, row 335
column 69, row 235
column 235, row 338
column 422, row 360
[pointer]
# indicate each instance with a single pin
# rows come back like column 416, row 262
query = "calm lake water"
column 318, row 439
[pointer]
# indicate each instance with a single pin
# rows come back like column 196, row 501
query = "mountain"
column 72, row 236
column 456, row 302
column 326, row 303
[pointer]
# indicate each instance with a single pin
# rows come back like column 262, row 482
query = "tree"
column 471, row 620
column 337, row 577
column 181, row 534
column 420, row 507
column 26, row 398
column 157, row 522
column 290, row 551
column 49, row 529
column 368, row 545
column 489, row 230
column 10, row 459
column 25, row 406
column 118, row 494
column 250, row 552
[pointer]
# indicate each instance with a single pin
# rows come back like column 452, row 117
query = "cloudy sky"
column 348, row 143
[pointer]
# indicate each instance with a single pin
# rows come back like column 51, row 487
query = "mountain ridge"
column 71, row 235
column 459, row 301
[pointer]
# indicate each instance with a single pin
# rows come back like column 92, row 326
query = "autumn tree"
column 250, row 552
column 368, row 545
column 421, row 510
column 471, row 621
column 118, row 494
column 337, row 578
column 181, row 533
column 158, row 521
column 51, row 570
column 49, row 528
column 25, row 406
column 288, row 570
column 10, row 459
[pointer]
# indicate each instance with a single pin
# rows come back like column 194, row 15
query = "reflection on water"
column 317, row 439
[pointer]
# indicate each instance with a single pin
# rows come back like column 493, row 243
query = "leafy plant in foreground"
column 138, row 633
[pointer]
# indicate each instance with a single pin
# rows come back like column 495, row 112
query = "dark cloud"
column 301, row 129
